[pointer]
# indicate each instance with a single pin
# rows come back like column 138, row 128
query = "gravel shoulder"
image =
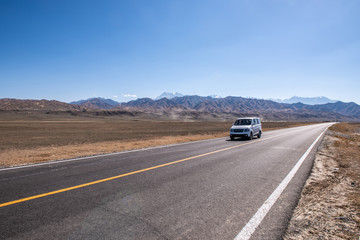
column 329, row 207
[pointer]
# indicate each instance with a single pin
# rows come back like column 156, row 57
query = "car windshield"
column 243, row 122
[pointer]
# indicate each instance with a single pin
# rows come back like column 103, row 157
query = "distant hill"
column 169, row 95
column 97, row 103
column 193, row 108
column 239, row 105
column 307, row 100
column 52, row 105
column 347, row 109
column 209, row 104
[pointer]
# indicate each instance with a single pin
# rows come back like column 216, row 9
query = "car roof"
column 247, row 118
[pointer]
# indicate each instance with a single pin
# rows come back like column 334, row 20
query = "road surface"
column 214, row 189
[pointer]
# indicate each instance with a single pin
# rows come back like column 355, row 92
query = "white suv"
column 246, row 127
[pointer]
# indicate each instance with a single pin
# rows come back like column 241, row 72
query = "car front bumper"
column 243, row 134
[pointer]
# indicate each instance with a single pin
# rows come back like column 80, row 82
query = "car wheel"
column 232, row 138
column 259, row 135
column 251, row 136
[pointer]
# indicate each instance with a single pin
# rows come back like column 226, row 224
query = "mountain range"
column 102, row 103
column 249, row 106
column 197, row 107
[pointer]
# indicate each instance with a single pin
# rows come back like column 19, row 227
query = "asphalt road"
column 202, row 190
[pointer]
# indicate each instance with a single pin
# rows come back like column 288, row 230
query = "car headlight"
column 246, row 130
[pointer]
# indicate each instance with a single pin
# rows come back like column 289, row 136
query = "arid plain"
column 37, row 138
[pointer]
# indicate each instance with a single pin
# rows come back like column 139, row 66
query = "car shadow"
column 238, row 140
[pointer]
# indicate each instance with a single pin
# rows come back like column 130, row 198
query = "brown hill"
column 97, row 103
column 33, row 105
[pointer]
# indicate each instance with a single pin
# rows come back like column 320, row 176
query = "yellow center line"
column 122, row 175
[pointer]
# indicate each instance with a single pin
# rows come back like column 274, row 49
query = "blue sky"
column 70, row 49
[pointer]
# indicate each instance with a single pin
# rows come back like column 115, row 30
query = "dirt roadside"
column 329, row 207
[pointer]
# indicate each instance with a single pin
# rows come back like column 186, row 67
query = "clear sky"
column 71, row 49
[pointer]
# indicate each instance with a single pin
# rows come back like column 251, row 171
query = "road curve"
column 201, row 190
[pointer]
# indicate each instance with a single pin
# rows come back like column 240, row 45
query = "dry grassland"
column 24, row 141
column 329, row 207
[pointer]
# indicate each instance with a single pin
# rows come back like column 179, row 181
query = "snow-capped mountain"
column 169, row 95
column 306, row 100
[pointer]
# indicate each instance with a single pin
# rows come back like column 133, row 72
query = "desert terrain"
column 37, row 138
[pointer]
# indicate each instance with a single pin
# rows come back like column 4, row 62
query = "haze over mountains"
column 306, row 100
column 294, row 99
column 180, row 107
column 102, row 103
column 169, row 95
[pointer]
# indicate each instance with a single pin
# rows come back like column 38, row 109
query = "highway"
column 213, row 189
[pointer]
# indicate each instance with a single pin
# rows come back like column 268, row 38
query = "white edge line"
column 255, row 221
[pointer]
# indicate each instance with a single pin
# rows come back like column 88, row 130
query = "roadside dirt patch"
column 329, row 207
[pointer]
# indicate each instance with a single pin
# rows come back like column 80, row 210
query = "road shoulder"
column 330, row 201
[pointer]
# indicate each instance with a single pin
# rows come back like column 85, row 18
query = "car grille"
column 238, row 130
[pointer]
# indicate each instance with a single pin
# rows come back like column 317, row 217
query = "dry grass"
column 41, row 154
column 329, row 207
column 30, row 134
column 24, row 140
